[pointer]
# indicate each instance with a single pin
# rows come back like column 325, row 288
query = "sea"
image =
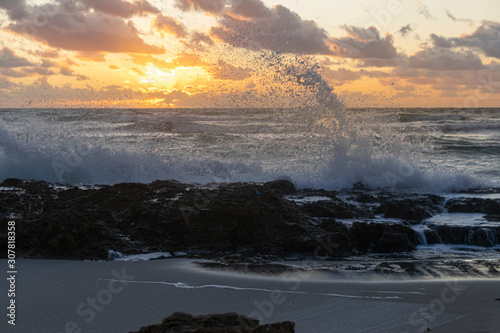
column 446, row 151
column 418, row 150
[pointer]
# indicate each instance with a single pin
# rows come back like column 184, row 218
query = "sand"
column 75, row 296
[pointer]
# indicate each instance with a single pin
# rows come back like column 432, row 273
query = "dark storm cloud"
column 169, row 25
column 485, row 39
column 8, row 59
column 121, row 8
column 69, row 25
column 442, row 59
column 453, row 18
column 210, row 6
column 225, row 71
column 364, row 43
column 439, row 41
column 405, row 30
column 16, row 9
column 251, row 25
column 279, row 29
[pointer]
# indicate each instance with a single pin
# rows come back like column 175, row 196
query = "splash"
column 355, row 149
column 306, row 134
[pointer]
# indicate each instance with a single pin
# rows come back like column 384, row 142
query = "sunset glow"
column 92, row 53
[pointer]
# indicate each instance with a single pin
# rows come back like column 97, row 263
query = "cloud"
column 210, row 6
column 71, row 28
column 5, row 84
column 183, row 60
column 8, row 59
column 11, row 72
column 225, row 71
column 364, row 43
column 250, row 8
column 16, row 9
column 486, row 38
column 442, row 59
column 277, row 29
column 405, row 30
column 92, row 56
column 169, row 25
column 453, row 18
column 198, row 41
column 43, row 71
column 121, row 8
column 439, row 41
column 113, row 67
column 423, row 10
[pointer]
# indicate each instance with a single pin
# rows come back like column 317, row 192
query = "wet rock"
column 216, row 323
column 329, row 209
column 468, row 235
column 411, row 209
column 366, row 198
column 67, row 222
column 474, row 205
column 431, row 237
column 383, row 237
column 239, row 215
column 279, row 187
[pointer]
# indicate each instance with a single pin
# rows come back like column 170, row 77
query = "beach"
column 54, row 295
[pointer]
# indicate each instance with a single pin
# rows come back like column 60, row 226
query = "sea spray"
column 351, row 149
column 306, row 134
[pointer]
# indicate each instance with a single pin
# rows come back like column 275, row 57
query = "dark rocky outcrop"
column 336, row 209
column 411, row 209
column 68, row 222
column 468, row 235
column 216, row 323
column 474, row 205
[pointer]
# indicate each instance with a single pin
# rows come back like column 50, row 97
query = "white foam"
column 460, row 219
column 307, row 199
column 142, row 257
column 184, row 285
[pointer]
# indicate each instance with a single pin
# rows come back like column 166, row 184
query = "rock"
column 411, row 209
column 279, row 187
column 236, row 215
column 67, row 222
column 457, row 234
column 366, row 198
column 474, row 205
column 215, row 323
column 383, row 237
column 431, row 236
column 336, row 209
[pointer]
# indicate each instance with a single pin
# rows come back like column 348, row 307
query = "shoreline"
column 247, row 227
column 159, row 288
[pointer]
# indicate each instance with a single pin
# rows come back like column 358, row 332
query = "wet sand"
column 75, row 296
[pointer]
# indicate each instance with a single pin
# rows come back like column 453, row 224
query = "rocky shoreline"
column 271, row 219
column 215, row 323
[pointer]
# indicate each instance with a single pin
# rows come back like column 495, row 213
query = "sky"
column 236, row 53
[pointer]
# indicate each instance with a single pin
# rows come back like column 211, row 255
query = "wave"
column 432, row 118
column 470, row 127
column 316, row 143
column 76, row 163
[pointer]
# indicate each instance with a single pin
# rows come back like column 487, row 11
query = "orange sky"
column 226, row 53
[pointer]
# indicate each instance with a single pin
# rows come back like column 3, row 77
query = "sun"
column 176, row 78
column 155, row 75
